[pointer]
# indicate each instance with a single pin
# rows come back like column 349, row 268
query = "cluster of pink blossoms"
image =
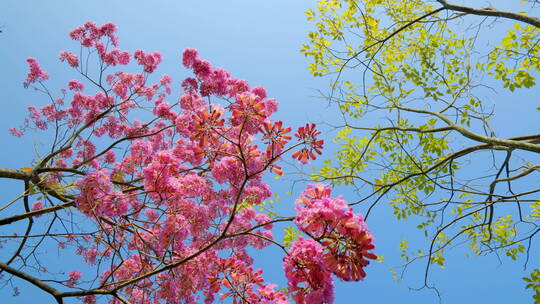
column 244, row 284
column 36, row 74
column 150, row 61
column 341, row 245
column 311, row 144
column 309, row 281
column 174, row 195
column 74, row 277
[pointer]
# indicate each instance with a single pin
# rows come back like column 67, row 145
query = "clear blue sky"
column 258, row 41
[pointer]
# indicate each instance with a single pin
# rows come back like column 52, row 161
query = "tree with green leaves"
column 418, row 85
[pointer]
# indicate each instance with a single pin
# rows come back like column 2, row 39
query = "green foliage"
column 534, row 284
column 535, row 210
column 516, row 57
column 291, row 234
column 425, row 70
column 267, row 206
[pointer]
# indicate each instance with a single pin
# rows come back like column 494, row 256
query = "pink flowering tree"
column 161, row 208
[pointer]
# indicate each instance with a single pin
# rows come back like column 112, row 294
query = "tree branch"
column 491, row 12
column 35, row 281
column 14, row 174
column 509, row 143
column 15, row 218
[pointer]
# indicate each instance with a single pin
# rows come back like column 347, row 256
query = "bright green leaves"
column 436, row 254
column 514, row 252
column 310, row 14
column 267, row 206
column 291, row 234
column 517, row 59
column 422, row 75
column 501, row 234
column 534, row 284
column 403, row 247
column 328, row 30
column 350, row 159
column 535, row 210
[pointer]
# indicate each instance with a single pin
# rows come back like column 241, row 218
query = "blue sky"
column 258, row 41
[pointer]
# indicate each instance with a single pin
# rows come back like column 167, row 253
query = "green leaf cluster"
column 534, row 284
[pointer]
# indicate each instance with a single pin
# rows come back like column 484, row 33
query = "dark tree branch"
column 33, row 280
column 491, row 12
column 15, row 218
column 28, row 228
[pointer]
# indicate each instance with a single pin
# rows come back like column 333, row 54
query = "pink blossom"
column 261, row 218
column 269, row 296
column 36, row 74
column 115, row 57
column 40, row 124
column 150, row 61
column 191, row 102
column 91, row 299
column 309, row 281
column 74, row 277
column 52, row 113
column 228, row 169
column 97, row 197
column 259, row 91
column 202, row 68
column 89, row 34
column 248, row 112
column 66, row 153
column 90, row 255
column 237, row 86
column 346, row 239
column 164, row 110
column 37, row 205
column 71, row 58
column 165, row 80
column 141, row 151
column 61, row 163
column 190, row 85
column 270, row 106
column 16, row 132
column 75, row 85
column 110, row 157
column 189, row 56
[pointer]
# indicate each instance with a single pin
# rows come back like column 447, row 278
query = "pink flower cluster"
column 89, row 34
column 71, row 58
column 308, row 134
column 74, row 277
column 160, row 190
column 37, row 205
column 344, row 235
column 114, row 57
column 309, row 281
column 75, row 85
column 244, row 284
column 341, row 245
column 36, row 74
column 98, row 197
column 215, row 81
column 149, row 61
